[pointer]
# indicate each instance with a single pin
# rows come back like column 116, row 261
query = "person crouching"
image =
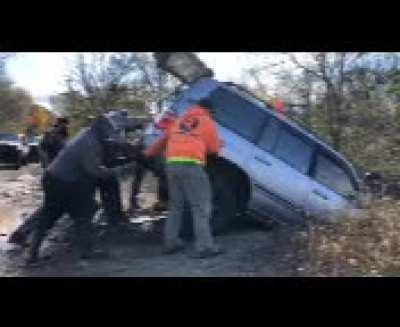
column 69, row 185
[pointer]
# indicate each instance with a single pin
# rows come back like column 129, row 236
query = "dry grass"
column 368, row 245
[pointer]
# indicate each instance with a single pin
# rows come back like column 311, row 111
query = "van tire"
column 225, row 199
column 224, row 203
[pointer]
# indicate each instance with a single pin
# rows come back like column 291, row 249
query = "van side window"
column 236, row 113
column 293, row 150
column 330, row 174
column 269, row 135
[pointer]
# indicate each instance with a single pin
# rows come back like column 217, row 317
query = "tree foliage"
column 15, row 102
column 350, row 99
column 99, row 82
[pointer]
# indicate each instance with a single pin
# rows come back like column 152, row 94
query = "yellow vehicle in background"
column 37, row 122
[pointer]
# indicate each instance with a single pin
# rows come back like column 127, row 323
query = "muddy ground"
column 136, row 250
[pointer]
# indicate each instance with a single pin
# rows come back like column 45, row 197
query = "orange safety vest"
column 189, row 139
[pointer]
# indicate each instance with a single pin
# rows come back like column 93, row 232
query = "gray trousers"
column 189, row 183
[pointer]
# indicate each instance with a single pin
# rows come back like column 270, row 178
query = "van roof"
column 251, row 97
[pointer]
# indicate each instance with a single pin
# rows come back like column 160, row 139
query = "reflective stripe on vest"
column 184, row 160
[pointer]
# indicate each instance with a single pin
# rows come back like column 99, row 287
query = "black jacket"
column 52, row 143
column 82, row 159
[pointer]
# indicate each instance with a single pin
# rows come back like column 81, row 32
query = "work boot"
column 157, row 208
column 160, row 206
column 94, row 254
column 101, row 218
column 133, row 210
column 135, row 205
column 32, row 262
column 174, row 248
column 120, row 222
column 33, row 257
column 206, row 253
column 18, row 239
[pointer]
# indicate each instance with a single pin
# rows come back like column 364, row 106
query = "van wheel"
column 224, row 203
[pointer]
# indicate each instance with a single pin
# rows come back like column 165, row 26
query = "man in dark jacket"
column 70, row 181
column 53, row 141
column 110, row 190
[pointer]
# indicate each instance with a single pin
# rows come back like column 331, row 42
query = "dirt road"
column 136, row 250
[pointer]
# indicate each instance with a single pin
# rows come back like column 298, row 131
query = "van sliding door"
column 279, row 166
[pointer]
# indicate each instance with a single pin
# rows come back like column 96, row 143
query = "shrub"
column 365, row 245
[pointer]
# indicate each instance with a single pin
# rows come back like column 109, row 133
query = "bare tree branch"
column 308, row 70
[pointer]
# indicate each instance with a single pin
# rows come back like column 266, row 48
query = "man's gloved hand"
column 146, row 153
column 212, row 158
column 124, row 170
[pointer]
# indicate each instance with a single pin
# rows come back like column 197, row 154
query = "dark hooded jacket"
column 53, row 142
column 82, row 159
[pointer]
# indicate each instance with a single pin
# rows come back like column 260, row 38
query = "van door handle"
column 316, row 192
column 262, row 160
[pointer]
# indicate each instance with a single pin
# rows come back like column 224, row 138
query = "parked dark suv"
column 13, row 150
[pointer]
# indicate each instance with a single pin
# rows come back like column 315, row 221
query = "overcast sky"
column 43, row 73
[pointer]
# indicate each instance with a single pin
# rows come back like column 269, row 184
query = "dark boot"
column 135, row 205
column 45, row 222
column 20, row 235
column 93, row 254
column 33, row 253
column 18, row 238
column 84, row 240
column 159, row 206
column 207, row 253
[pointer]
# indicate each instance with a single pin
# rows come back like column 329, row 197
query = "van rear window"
column 238, row 114
column 328, row 173
column 293, row 150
